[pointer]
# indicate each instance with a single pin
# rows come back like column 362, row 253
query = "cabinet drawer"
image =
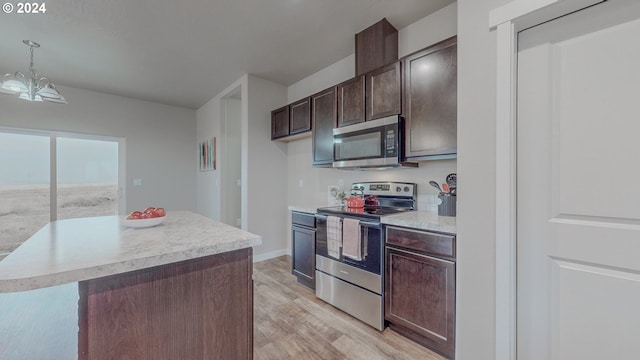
column 433, row 243
column 303, row 219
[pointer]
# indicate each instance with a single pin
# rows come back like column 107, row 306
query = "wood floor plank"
column 291, row 323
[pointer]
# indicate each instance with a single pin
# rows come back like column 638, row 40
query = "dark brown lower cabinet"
column 303, row 248
column 196, row 309
column 420, row 297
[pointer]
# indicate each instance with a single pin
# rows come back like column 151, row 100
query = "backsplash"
column 308, row 186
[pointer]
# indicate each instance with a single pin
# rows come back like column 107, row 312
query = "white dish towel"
column 334, row 236
column 351, row 240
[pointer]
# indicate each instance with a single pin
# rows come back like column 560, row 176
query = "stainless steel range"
column 349, row 249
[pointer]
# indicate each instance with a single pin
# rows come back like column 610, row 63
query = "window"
column 87, row 173
column 24, row 187
column 50, row 176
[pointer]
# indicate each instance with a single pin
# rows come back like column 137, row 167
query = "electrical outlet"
column 137, row 182
column 300, row 183
column 340, row 182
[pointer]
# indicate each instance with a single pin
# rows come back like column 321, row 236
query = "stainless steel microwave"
column 372, row 144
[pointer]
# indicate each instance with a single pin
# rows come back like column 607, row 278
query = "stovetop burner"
column 368, row 211
column 381, row 198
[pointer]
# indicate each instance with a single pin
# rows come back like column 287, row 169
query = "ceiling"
column 185, row 52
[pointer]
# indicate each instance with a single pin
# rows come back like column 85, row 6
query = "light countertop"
column 422, row 220
column 74, row 250
column 305, row 209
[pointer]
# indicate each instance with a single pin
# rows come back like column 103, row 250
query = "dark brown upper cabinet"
column 300, row 116
column 280, row 123
column 384, row 89
column 371, row 96
column 376, row 46
column 291, row 122
column 351, row 99
column 430, row 101
column 324, row 120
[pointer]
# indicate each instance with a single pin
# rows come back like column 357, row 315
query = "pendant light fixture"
column 32, row 88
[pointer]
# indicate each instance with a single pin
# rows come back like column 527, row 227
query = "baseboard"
column 270, row 255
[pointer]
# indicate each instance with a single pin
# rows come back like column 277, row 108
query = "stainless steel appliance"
column 371, row 144
column 356, row 285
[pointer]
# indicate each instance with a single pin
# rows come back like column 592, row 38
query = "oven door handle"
column 370, row 224
column 362, row 223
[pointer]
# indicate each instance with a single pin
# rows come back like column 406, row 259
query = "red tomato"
column 160, row 212
column 148, row 210
column 145, row 216
column 134, row 215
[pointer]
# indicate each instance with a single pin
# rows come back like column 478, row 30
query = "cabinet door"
column 280, row 122
column 420, row 297
column 383, row 92
column 430, row 100
column 303, row 262
column 300, row 115
column 351, row 98
column 323, row 119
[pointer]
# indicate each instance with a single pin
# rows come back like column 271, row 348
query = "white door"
column 579, row 186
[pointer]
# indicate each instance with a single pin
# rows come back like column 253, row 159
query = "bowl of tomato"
column 149, row 217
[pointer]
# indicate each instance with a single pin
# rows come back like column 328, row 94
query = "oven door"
column 372, row 242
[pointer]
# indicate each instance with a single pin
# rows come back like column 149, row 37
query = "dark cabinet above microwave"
column 351, row 96
column 384, row 91
column 371, row 96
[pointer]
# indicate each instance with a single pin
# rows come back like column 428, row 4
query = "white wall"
column 264, row 163
column 160, row 146
column 329, row 76
column 427, row 31
column 315, row 181
column 231, row 198
column 475, row 328
column 208, row 182
column 266, row 169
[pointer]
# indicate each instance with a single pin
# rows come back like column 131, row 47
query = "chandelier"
column 33, row 88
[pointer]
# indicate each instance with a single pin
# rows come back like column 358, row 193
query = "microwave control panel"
column 391, row 141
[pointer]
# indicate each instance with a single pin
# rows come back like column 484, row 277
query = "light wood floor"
column 291, row 323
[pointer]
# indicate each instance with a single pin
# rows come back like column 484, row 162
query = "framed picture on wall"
column 207, row 154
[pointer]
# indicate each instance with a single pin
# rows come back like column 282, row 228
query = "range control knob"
column 406, row 189
column 398, row 189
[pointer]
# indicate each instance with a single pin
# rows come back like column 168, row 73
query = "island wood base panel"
column 198, row 309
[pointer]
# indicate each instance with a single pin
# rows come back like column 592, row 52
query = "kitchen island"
column 180, row 290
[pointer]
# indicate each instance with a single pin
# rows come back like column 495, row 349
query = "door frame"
column 506, row 21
